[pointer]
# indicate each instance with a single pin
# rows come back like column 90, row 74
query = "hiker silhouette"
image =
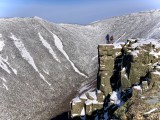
column 107, row 38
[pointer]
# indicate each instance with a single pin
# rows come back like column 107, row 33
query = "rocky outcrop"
column 128, row 83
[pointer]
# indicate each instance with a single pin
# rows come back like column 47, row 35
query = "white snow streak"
column 1, row 45
column 3, row 65
column 14, row 70
column 6, row 61
column 4, row 80
column 3, row 83
column 26, row 55
column 46, row 71
column 5, row 86
column 59, row 45
column 95, row 57
column 149, row 112
column 120, row 37
column 47, row 45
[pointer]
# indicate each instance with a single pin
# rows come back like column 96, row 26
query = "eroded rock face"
column 125, row 70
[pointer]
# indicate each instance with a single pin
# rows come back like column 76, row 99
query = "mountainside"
column 43, row 65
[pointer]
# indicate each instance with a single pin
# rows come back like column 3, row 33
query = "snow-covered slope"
column 43, row 64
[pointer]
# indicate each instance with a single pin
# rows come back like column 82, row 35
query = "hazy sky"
column 74, row 11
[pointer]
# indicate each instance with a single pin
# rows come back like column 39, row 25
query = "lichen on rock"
column 128, row 83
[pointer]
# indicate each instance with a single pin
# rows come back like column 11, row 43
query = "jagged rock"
column 83, row 97
column 105, row 89
column 105, row 82
column 122, row 74
column 76, row 107
column 144, row 86
column 137, row 91
column 97, row 106
column 100, row 96
column 147, row 47
column 155, row 82
column 120, row 112
column 91, row 95
column 125, row 82
column 88, row 107
column 107, row 64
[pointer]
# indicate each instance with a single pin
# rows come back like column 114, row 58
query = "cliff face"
column 128, row 76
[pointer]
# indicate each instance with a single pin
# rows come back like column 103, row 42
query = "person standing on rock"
column 107, row 38
column 111, row 39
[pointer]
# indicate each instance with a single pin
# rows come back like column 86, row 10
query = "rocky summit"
column 128, row 83
column 44, row 65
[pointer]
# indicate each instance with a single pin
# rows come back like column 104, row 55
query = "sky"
column 74, row 11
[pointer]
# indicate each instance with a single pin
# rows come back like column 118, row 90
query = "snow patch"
column 123, row 69
column 26, row 55
column 1, row 45
column 138, row 87
column 74, row 115
column 94, row 57
column 135, row 53
column 95, row 102
column 44, row 79
column 47, row 45
column 149, row 112
column 45, row 71
column 118, row 45
column 115, row 98
column 6, row 61
column 76, row 100
column 93, row 95
column 83, row 96
column 59, row 45
column 14, row 70
column 3, row 65
column 155, row 53
column 88, row 102
column 83, row 112
column 141, row 42
column 5, row 86
column 156, row 72
column 4, row 80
